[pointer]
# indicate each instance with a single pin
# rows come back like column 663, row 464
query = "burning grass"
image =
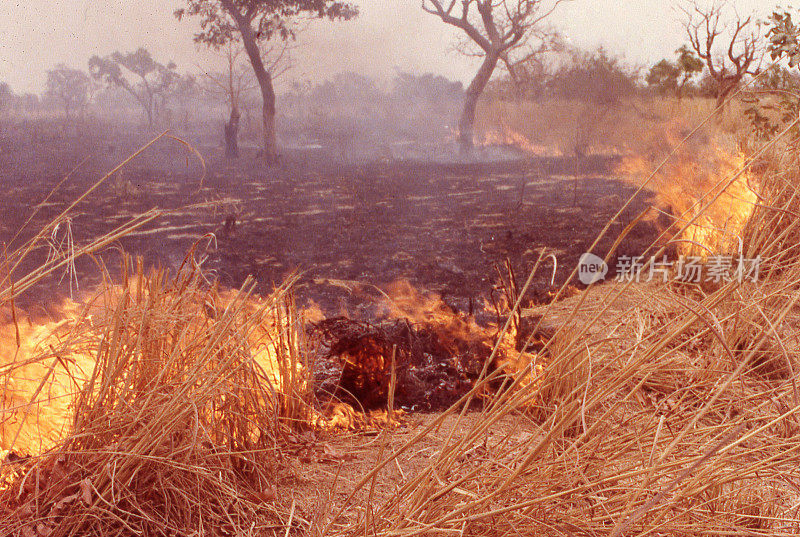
column 658, row 414
column 158, row 406
column 659, row 410
column 176, row 426
column 704, row 193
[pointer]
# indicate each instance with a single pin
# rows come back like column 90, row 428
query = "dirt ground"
column 443, row 227
column 330, row 466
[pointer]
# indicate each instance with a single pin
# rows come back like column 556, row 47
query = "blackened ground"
column 444, row 227
column 349, row 229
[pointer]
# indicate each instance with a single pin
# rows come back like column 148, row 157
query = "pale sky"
column 389, row 35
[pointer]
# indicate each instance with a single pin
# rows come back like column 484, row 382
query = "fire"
column 459, row 332
column 454, row 330
column 43, row 373
column 426, row 350
column 40, row 377
column 505, row 135
column 708, row 190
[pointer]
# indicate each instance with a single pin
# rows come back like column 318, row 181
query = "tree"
column 6, row 96
column 497, row 28
column 237, row 81
column 146, row 80
column 256, row 21
column 70, row 87
column 770, row 116
column 231, row 83
column 690, row 66
column 729, row 53
column 426, row 87
column 596, row 78
column 673, row 77
column 597, row 83
column 664, row 76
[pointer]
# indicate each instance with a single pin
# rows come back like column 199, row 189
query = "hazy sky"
column 389, row 35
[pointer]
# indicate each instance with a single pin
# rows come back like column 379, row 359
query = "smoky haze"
column 386, row 38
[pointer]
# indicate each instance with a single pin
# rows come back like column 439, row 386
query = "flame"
column 42, row 375
column 504, row 135
column 455, row 331
column 706, row 189
column 460, row 332
column 39, row 377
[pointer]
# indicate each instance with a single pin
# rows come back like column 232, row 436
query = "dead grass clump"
column 176, row 431
column 562, row 381
column 664, row 412
column 773, row 230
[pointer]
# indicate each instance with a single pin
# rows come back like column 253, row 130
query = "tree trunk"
column 264, row 78
column 466, row 125
column 724, row 89
column 232, row 135
column 148, row 108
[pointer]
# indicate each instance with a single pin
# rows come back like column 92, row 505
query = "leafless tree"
column 730, row 51
column 497, row 29
column 237, row 80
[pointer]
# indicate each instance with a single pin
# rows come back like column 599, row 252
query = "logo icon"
column 591, row 269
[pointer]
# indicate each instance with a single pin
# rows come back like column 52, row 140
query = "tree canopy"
column 145, row 79
column 69, row 86
column 268, row 18
column 668, row 76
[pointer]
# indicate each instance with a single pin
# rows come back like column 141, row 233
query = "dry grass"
column 668, row 411
column 166, row 404
column 634, row 126
column 663, row 410
column 179, row 425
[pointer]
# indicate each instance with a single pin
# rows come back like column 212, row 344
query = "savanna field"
column 575, row 314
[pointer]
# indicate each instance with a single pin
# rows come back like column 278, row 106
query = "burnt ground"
column 443, row 227
column 349, row 229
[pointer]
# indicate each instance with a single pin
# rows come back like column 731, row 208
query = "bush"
column 595, row 77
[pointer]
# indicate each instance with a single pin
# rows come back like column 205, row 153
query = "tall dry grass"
column 166, row 404
column 662, row 410
column 568, row 127
column 178, row 426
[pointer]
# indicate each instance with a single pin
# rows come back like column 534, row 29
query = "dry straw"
column 177, row 427
column 661, row 411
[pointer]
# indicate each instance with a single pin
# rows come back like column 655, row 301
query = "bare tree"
column 256, row 21
column 730, row 51
column 497, row 28
column 236, row 81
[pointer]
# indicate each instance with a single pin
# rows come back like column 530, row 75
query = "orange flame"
column 707, row 191
column 41, row 376
column 504, row 135
column 457, row 330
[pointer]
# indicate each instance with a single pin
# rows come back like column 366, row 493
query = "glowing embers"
column 422, row 355
column 369, row 363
